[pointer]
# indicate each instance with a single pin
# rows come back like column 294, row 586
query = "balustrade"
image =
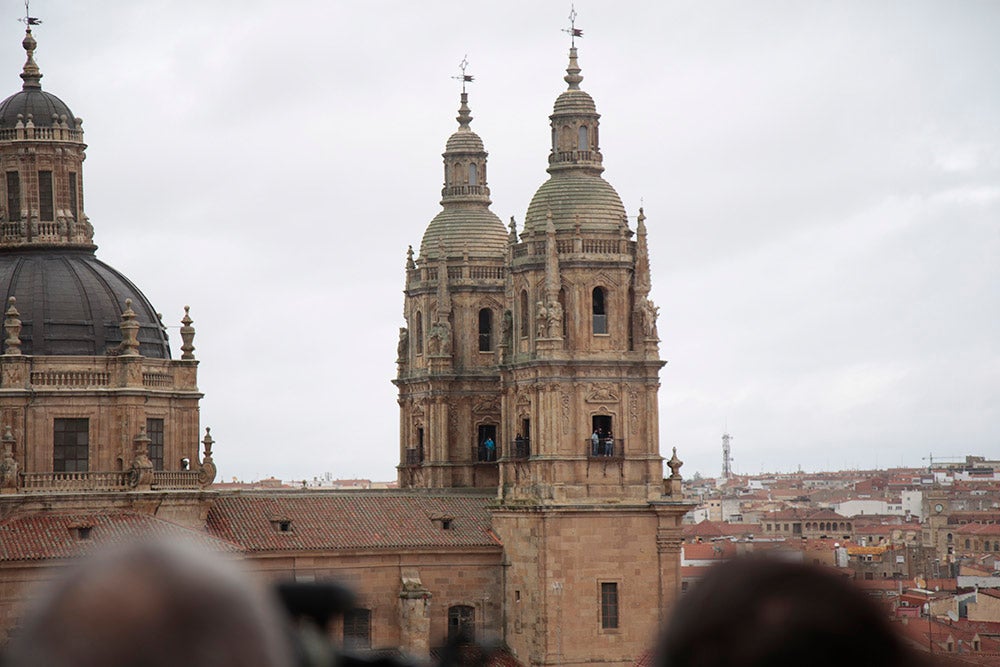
column 33, row 482
column 176, row 479
column 70, row 378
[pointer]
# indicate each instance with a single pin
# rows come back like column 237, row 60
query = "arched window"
column 567, row 140
column 600, row 311
column 565, row 315
column 473, row 174
column 485, row 330
column 525, row 317
column 950, row 538
column 553, row 139
column 358, row 629
column 461, row 623
column 582, row 143
column 419, row 327
column 457, row 173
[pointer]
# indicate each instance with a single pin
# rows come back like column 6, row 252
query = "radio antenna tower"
column 727, row 460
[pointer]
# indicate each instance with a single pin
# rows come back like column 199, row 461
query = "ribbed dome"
column 464, row 141
column 70, row 303
column 574, row 102
column 571, row 194
column 37, row 103
column 457, row 227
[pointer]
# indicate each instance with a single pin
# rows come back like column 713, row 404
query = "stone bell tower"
column 590, row 528
column 90, row 399
column 448, row 378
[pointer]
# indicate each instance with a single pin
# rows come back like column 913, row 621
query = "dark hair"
column 758, row 612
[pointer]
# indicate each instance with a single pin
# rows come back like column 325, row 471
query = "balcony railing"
column 520, row 449
column 414, row 456
column 605, row 448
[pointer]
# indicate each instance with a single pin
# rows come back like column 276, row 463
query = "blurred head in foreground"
column 152, row 604
column 756, row 612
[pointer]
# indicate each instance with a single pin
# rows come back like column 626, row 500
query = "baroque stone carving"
column 602, row 393
column 487, row 405
column 648, row 313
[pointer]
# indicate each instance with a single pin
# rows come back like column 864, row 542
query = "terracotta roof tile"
column 352, row 520
column 58, row 535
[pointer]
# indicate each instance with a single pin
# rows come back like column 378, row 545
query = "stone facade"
column 544, row 344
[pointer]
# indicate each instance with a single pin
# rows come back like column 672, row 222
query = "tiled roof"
column 56, row 535
column 352, row 520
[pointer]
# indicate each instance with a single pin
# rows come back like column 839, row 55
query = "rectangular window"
column 154, row 429
column 358, row 629
column 46, row 212
column 13, row 195
column 609, row 605
column 73, row 201
column 71, row 445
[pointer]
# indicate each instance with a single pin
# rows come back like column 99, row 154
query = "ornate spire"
column 464, row 116
column 642, row 277
column 31, row 75
column 573, row 76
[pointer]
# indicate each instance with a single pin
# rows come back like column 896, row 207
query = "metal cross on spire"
column 573, row 31
column 28, row 19
column 463, row 77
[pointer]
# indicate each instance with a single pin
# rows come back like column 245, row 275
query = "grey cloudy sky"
column 821, row 181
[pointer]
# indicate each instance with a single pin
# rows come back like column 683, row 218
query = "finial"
column 31, row 75
column 409, row 258
column 464, row 113
column 130, row 331
column 187, row 335
column 513, row 230
column 208, row 442
column 641, row 227
column 12, row 325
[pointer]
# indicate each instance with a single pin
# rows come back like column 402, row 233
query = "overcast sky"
column 821, row 182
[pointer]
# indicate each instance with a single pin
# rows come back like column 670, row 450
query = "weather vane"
column 463, row 77
column 28, row 19
column 573, row 31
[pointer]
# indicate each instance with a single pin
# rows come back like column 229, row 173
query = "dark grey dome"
column 40, row 104
column 70, row 303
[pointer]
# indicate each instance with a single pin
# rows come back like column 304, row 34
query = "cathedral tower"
column 581, row 376
column 590, row 528
column 448, row 378
column 91, row 400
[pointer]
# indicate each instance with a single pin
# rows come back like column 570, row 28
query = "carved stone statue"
column 401, row 346
column 439, row 339
column 141, row 472
column 541, row 320
column 555, row 320
column 507, row 332
column 8, row 465
column 648, row 313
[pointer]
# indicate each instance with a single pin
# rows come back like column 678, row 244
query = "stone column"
column 414, row 619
